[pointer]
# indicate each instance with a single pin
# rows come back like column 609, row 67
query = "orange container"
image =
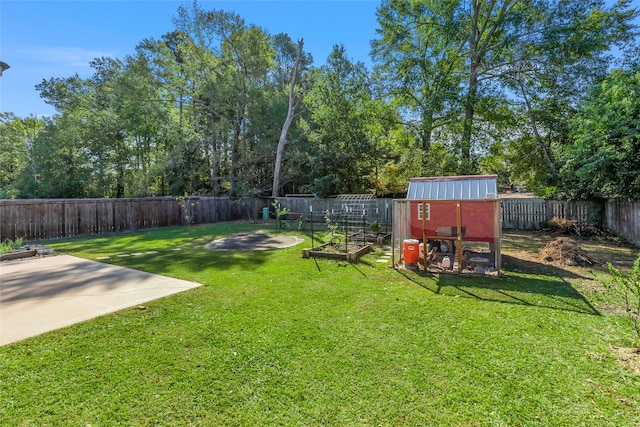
column 411, row 251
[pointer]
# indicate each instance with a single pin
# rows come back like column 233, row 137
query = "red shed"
column 449, row 212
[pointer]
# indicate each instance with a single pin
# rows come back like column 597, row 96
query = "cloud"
column 41, row 62
column 64, row 56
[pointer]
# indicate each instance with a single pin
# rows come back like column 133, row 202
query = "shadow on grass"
column 515, row 264
column 201, row 265
column 162, row 251
column 196, row 259
column 152, row 239
column 546, row 286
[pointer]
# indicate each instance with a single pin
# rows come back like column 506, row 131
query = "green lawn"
column 275, row 339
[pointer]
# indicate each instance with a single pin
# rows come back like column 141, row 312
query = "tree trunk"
column 215, row 165
column 486, row 23
column 235, row 149
column 470, row 100
column 534, row 127
column 120, row 183
column 426, row 131
column 465, row 166
column 282, row 141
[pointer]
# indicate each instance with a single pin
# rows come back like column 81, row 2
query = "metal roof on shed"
column 468, row 187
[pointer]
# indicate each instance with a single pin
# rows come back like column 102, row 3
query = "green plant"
column 546, row 192
column 280, row 213
column 188, row 205
column 247, row 195
column 628, row 287
column 10, row 245
column 333, row 228
column 375, row 226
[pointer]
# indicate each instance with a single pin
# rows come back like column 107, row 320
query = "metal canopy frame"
column 352, row 213
column 355, row 207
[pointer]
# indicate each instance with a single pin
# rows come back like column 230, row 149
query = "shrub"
column 628, row 287
column 10, row 245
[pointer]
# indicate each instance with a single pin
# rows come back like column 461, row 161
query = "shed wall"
column 477, row 219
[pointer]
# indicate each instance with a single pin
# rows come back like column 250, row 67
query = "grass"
column 274, row 339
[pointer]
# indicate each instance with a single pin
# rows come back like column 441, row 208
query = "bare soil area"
column 629, row 357
column 574, row 256
column 254, row 242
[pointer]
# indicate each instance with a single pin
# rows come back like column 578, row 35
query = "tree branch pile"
column 565, row 251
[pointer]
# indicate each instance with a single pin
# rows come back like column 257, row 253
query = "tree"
column 295, row 97
column 244, row 59
column 603, row 162
column 627, row 287
column 491, row 26
column 16, row 168
column 62, row 167
column 468, row 61
column 188, row 90
column 341, row 108
column 420, row 63
column 60, row 154
column 440, row 58
column 149, row 124
column 564, row 53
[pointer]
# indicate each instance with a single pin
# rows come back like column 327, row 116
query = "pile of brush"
column 565, row 251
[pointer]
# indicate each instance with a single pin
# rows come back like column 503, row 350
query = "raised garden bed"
column 25, row 252
column 17, row 254
column 339, row 251
column 371, row 237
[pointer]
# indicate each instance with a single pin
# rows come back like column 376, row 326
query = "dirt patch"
column 253, row 242
column 612, row 309
column 566, row 251
column 629, row 357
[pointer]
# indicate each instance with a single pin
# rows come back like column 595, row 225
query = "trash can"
column 265, row 214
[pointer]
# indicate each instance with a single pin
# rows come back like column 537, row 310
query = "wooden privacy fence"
column 623, row 218
column 47, row 219
column 517, row 213
column 534, row 213
column 53, row 218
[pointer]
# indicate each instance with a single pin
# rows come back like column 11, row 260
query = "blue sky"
column 46, row 39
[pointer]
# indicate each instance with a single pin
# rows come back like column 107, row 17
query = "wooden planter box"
column 352, row 253
column 371, row 237
column 17, row 254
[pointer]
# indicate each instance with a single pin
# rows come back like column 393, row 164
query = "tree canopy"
column 603, row 159
column 526, row 89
